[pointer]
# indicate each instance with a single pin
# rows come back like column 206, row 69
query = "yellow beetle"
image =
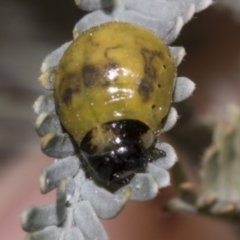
column 113, row 89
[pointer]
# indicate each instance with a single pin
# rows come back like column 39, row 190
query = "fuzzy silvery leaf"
column 47, row 122
column 86, row 219
column 105, row 204
column 160, row 175
column 144, row 187
column 47, row 79
column 53, row 59
column 72, row 234
column 177, row 53
column 65, row 190
column 57, row 145
column 91, row 5
column 186, row 86
column 58, row 170
column 44, row 103
column 47, row 233
column 38, row 218
column 165, row 18
column 167, row 161
column 87, row 5
column 171, row 120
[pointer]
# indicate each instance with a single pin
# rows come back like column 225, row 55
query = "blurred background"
column 30, row 30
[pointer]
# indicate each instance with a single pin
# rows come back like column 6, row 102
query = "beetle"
column 113, row 90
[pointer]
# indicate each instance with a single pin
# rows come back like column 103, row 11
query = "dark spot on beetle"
column 109, row 49
column 146, row 86
column 73, row 81
column 149, row 56
column 90, row 75
column 159, row 85
column 153, row 106
column 67, row 96
column 164, row 66
column 145, row 89
column 111, row 72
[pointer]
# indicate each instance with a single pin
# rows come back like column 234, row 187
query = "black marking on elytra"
column 73, row 82
column 149, row 56
column 109, row 49
column 67, row 96
column 145, row 89
column 146, row 86
column 90, row 75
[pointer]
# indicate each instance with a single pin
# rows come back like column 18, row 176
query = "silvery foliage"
column 80, row 201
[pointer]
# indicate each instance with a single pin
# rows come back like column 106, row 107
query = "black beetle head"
column 116, row 150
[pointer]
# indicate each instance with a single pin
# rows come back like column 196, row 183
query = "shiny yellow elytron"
column 111, row 72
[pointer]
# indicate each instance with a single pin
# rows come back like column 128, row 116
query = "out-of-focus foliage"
column 219, row 195
column 233, row 5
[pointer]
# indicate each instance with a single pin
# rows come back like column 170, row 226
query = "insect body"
column 113, row 89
